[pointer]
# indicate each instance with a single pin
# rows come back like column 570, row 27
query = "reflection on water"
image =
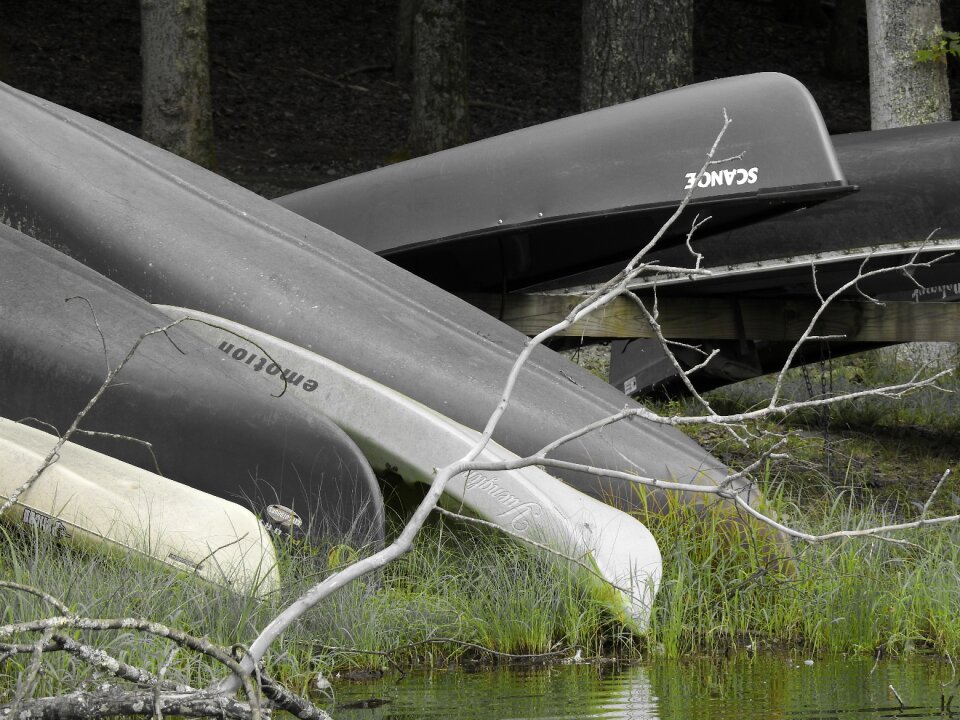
column 741, row 689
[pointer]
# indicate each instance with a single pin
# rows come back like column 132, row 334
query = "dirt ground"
column 304, row 91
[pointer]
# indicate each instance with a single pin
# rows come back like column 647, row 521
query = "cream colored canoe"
column 90, row 499
column 410, row 439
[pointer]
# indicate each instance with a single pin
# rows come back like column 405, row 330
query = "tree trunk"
column 3, row 56
column 903, row 91
column 633, row 48
column 177, row 114
column 406, row 9
column 845, row 56
column 440, row 116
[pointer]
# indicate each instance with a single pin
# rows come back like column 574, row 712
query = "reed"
column 460, row 589
column 467, row 585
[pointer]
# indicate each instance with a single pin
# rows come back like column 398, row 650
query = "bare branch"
column 54, row 454
column 404, row 542
column 825, row 302
column 98, row 659
column 926, row 505
column 46, row 597
column 114, row 702
column 103, row 340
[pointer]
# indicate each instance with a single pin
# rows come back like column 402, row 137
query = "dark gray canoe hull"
column 176, row 234
column 210, row 427
column 576, row 193
column 909, row 185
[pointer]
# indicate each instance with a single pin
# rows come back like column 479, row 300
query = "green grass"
column 464, row 586
column 459, row 585
column 868, row 463
column 467, row 585
column 849, row 596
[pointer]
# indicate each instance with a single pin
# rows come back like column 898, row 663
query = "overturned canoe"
column 89, row 499
column 177, row 234
column 580, row 192
column 63, row 326
column 403, row 438
column 909, row 182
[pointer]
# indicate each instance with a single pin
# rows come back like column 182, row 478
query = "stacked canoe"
column 302, row 363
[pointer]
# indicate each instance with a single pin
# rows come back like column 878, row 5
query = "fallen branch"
column 115, row 701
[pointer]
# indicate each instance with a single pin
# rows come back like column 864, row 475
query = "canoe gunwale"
column 799, row 196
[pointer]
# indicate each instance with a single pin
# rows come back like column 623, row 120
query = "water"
column 743, row 689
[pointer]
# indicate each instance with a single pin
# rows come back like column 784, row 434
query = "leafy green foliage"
column 941, row 48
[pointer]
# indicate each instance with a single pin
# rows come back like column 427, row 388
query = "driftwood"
column 115, row 701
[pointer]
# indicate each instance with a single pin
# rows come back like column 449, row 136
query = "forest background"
column 305, row 92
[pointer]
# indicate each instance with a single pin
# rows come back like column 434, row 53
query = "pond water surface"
column 743, row 689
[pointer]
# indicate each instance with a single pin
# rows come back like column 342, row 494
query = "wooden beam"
column 728, row 318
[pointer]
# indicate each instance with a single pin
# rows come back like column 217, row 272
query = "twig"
column 126, row 438
column 157, row 708
column 333, row 81
column 103, row 340
column 54, row 454
column 247, row 672
column 96, row 658
column 896, row 695
column 926, row 505
column 200, row 645
column 46, row 597
column 26, row 684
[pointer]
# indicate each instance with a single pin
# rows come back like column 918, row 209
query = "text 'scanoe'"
column 89, row 499
column 577, row 193
column 179, row 235
column 62, row 325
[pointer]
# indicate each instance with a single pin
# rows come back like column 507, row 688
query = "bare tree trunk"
column 4, row 44
column 903, row 91
column 440, row 116
column 403, row 52
column 633, row 48
column 177, row 114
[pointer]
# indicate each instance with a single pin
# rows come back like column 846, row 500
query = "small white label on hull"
column 283, row 517
column 45, row 523
column 180, row 560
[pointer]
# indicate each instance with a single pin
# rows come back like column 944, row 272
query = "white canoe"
column 403, row 436
column 90, row 499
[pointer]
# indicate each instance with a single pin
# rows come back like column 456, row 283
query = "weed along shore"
column 467, row 596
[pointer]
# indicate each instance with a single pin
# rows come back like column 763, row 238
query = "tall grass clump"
column 853, row 595
column 464, row 588
column 461, row 591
